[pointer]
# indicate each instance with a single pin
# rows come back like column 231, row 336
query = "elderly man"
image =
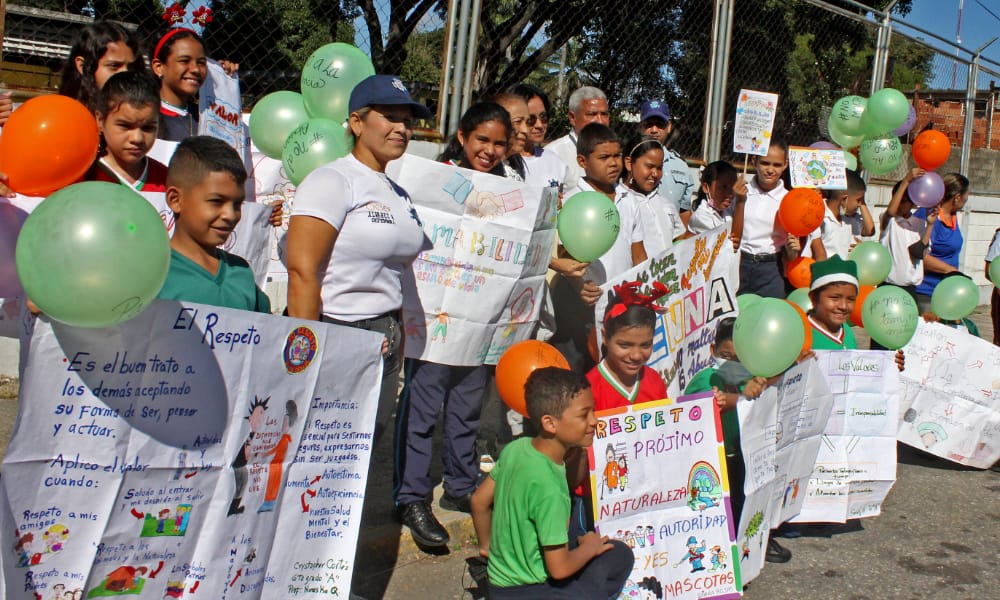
column 586, row 105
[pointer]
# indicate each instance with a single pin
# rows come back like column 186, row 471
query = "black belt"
column 363, row 323
column 759, row 258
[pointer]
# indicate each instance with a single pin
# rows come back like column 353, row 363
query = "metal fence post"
column 880, row 61
column 718, row 74
column 470, row 58
column 455, row 110
column 971, row 87
column 444, row 94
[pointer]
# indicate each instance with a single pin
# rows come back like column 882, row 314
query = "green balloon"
column 800, row 297
column 329, row 76
column 93, row 254
column 881, row 155
column 887, row 109
column 840, row 138
column 995, row 272
column 273, row 118
column 847, row 113
column 953, row 299
column 874, row 262
column 768, row 337
column 850, row 161
column 745, row 301
column 313, row 144
column 588, row 225
column 890, row 316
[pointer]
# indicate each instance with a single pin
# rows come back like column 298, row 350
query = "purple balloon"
column 908, row 124
column 823, row 146
column 927, row 190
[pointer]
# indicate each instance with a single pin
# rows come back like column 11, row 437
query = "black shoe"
column 424, row 527
column 456, row 503
column 776, row 553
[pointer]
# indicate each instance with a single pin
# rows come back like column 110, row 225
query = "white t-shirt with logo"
column 378, row 237
column 565, row 149
column 545, row 169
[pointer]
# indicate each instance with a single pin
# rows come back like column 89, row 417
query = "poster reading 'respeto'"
column 659, row 484
column 479, row 289
column 755, row 113
column 950, row 404
column 159, row 458
column 702, row 275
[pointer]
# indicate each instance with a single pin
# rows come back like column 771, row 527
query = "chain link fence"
column 810, row 52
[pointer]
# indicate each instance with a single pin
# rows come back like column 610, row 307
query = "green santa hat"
column 833, row 270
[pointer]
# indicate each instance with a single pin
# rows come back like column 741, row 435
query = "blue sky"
column 978, row 25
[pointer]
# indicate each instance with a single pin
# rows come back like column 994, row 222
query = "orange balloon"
column 808, row 343
column 517, row 363
column 47, row 144
column 801, row 211
column 799, row 272
column 863, row 292
column 931, row 149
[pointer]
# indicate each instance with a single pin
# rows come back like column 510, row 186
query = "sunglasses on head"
column 543, row 118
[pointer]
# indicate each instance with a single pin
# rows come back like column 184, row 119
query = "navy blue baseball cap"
column 654, row 108
column 385, row 89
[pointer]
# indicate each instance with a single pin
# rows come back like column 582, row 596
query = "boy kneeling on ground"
column 522, row 509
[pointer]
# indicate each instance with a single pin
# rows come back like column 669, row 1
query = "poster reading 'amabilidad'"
column 161, row 457
column 659, row 484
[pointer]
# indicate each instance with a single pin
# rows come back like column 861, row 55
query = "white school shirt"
column 678, row 184
column 837, row 237
column 661, row 223
column 565, row 149
column 618, row 259
column 378, row 236
column 545, row 169
column 705, row 218
column 899, row 234
column 762, row 233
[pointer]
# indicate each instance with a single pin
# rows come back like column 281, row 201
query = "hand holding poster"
column 479, row 289
column 817, row 168
column 161, row 457
column 950, row 403
column 755, row 113
column 659, row 484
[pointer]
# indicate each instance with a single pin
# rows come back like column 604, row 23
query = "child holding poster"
column 521, row 509
column 205, row 192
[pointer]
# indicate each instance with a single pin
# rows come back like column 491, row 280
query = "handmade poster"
column 703, row 275
column 755, row 113
column 479, row 289
column 220, row 115
column 780, row 435
column 950, row 403
column 159, row 458
column 271, row 185
column 817, row 168
column 659, row 483
column 856, row 464
column 251, row 239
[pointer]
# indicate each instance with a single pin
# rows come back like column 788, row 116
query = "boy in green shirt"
column 521, row 511
column 205, row 191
